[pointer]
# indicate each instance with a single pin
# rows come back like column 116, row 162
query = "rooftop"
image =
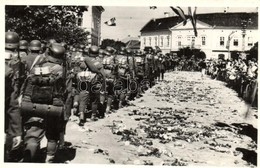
column 214, row 19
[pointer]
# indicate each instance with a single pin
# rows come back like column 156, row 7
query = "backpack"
column 44, row 89
column 123, row 66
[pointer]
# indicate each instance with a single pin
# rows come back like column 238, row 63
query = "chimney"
column 166, row 14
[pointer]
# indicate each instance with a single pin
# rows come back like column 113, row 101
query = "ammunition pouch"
column 42, row 94
column 41, row 110
column 40, row 80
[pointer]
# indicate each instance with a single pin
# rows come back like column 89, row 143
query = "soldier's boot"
column 122, row 98
column 162, row 76
column 102, row 99
column 81, row 118
column 139, row 93
column 101, row 110
column 109, row 103
column 62, row 141
column 94, row 108
column 51, row 150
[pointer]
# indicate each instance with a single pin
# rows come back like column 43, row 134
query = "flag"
column 229, row 39
column 111, row 22
column 153, row 7
column 193, row 18
column 180, row 13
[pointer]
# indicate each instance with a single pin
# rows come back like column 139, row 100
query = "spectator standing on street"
column 203, row 66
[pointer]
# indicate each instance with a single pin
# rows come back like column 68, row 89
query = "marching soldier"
column 123, row 77
column 42, row 102
column 150, row 69
column 140, row 72
column 87, row 86
column 23, row 48
column 132, row 85
column 34, row 48
column 156, row 66
column 13, row 79
column 110, row 73
column 162, row 67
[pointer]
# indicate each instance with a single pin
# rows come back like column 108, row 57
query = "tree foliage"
column 188, row 53
column 46, row 22
column 253, row 52
column 112, row 43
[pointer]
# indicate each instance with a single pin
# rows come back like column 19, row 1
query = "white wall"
column 212, row 36
column 160, row 35
column 92, row 23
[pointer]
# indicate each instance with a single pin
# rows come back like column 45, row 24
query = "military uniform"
column 123, row 77
column 140, row 73
column 44, row 95
column 150, row 67
column 14, row 75
column 89, row 85
column 110, row 73
column 161, row 66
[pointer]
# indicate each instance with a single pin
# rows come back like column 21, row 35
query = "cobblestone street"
column 184, row 120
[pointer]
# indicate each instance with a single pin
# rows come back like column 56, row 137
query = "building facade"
column 91, row 22
column 214, row 31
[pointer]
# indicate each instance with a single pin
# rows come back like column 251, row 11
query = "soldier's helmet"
column 43, row 46
column 123, row 49
column 11, row 40
column 101, row 52
column 139, row 53
column 122, row 52
column 93, row 51
column 50, row 41
column 35, row 45
column 57, row 50
column 128, row 51
column 64, row 45
column 23, row 45
column 85, row 51
column 80, row 50
column 107, row 53
column 74, row 50
column 109, row 49
column 81, row 46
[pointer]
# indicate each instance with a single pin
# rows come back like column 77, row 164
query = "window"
column 144, row 41
column 179, row 41
column 250, row 41
column 188, row 38
column 192, row 42
column 161, row 41
column 150, row 41
column 203, row 40
column 155, row 41
column 235, row 42
column 168, row 41
column 221, row 41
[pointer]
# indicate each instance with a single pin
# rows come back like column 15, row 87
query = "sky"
column 130, row 20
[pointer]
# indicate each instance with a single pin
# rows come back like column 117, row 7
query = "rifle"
column 68, row 101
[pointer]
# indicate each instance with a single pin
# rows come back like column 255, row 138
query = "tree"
column 45, row 22
column 112, row 43
column 253, row 52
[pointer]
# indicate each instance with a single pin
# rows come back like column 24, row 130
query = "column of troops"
column 48, row 83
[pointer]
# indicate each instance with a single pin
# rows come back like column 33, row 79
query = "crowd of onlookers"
column 239, row 74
